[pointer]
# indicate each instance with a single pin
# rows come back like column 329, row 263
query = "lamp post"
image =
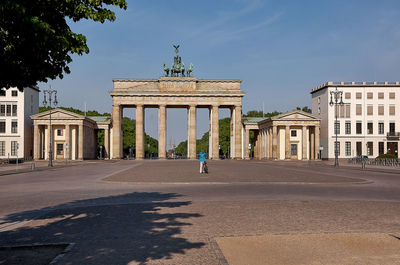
column 50, row 92
column 336, row 100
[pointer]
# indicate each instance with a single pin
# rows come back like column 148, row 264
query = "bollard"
column 33, row 166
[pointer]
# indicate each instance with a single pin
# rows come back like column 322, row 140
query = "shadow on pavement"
column 135, row 227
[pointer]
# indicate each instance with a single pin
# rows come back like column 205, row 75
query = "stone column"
column 316, row 141
column 67, row 142
column 36, row 142
column 274, row 142
column 117, row 131
column 80, row 142
column 215, row 133
column 210, row 133
column 312, row 143
column 247, row 142
column 106, row 143
column 232, row 134
column 304, row 142
column 162, row 134
column 238, row 131
column 267, row 143
column 287, row 142
column 192, row 132
column 262, row 143
column 139, row 132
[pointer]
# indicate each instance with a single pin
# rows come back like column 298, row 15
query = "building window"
column 2, row 126
column 336, row 128
column 293, row 149
column 381, row 95
column 370, row 149
column 8, row 110
column 392, row 127
column 358, row 95
column 14, row 126
column 347, row 127
column 370, row 110
column 60, row 132
column 60, row 149
column 2, row 148
column 359, row 127
column 348, row 148
column 337, row 148
column 14, row 109
column 369, row 95
column 381, row 127
column 14, row 148
column 347, row 110
column 392, row 95
column 381, row 148
column 347, row 95
column 14, row 93
column 2, row 109
column 392, row 110
column 2, row 92
column 381, row 110
column 358, row 109
column 370, row 128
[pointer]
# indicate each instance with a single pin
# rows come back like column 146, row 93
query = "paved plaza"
column 165, row 212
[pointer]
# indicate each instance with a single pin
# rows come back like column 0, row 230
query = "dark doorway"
column 392, row 148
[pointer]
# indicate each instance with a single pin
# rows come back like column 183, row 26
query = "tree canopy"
column 36, row 41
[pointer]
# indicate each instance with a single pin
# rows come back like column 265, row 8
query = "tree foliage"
column 36, row 41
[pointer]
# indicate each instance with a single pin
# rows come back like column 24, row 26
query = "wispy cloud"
column 224, row 28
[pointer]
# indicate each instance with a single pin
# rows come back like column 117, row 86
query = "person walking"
column 202, row 159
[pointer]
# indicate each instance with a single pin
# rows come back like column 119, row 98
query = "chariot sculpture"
column 178, row 67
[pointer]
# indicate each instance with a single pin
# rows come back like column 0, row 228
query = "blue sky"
column 280, row 49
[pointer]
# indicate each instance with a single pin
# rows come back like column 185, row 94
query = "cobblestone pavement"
column 165, row 212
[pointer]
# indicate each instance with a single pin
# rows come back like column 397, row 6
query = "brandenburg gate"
column 177, row 90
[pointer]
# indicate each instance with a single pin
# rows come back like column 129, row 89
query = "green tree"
column 36, row 41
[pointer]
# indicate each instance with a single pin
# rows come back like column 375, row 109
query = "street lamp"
column 336, row 99
column 50, row 93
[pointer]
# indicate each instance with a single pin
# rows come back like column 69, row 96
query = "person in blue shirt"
column 202, row 159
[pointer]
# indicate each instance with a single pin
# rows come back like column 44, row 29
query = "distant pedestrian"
column 202, row 159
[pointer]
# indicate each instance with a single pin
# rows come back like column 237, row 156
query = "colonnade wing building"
column 289, row 136
column 368, row 121
column 177, row 92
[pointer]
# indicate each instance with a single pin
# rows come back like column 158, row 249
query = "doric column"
column 139, row 132
column 287, row 142
column 262, row 143
column 215, row 133
column 210, row 133
column 304, row 142
column 36, row 142
column 162, row 134
column 232, row 134
column 312, row 143
column 268, row 143
column 247, row 142
column 274, row 142
column 106, row 143
column 117, row 132
column 80, row 142
column 316, row 141
column 192, row 132
column 238, row 131
column 67, row 142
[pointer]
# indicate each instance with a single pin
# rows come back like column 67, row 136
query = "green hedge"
column 387, row 156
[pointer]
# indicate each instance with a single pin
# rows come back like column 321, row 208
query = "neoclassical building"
column 293, row 135
column 73, row 136
column 177, row 92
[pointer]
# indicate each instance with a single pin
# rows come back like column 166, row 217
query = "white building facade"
column 16, row 126
column 368, row 123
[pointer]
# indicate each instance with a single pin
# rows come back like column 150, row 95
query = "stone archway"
column 177, row 92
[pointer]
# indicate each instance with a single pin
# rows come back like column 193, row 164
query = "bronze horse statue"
column 166, row 70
